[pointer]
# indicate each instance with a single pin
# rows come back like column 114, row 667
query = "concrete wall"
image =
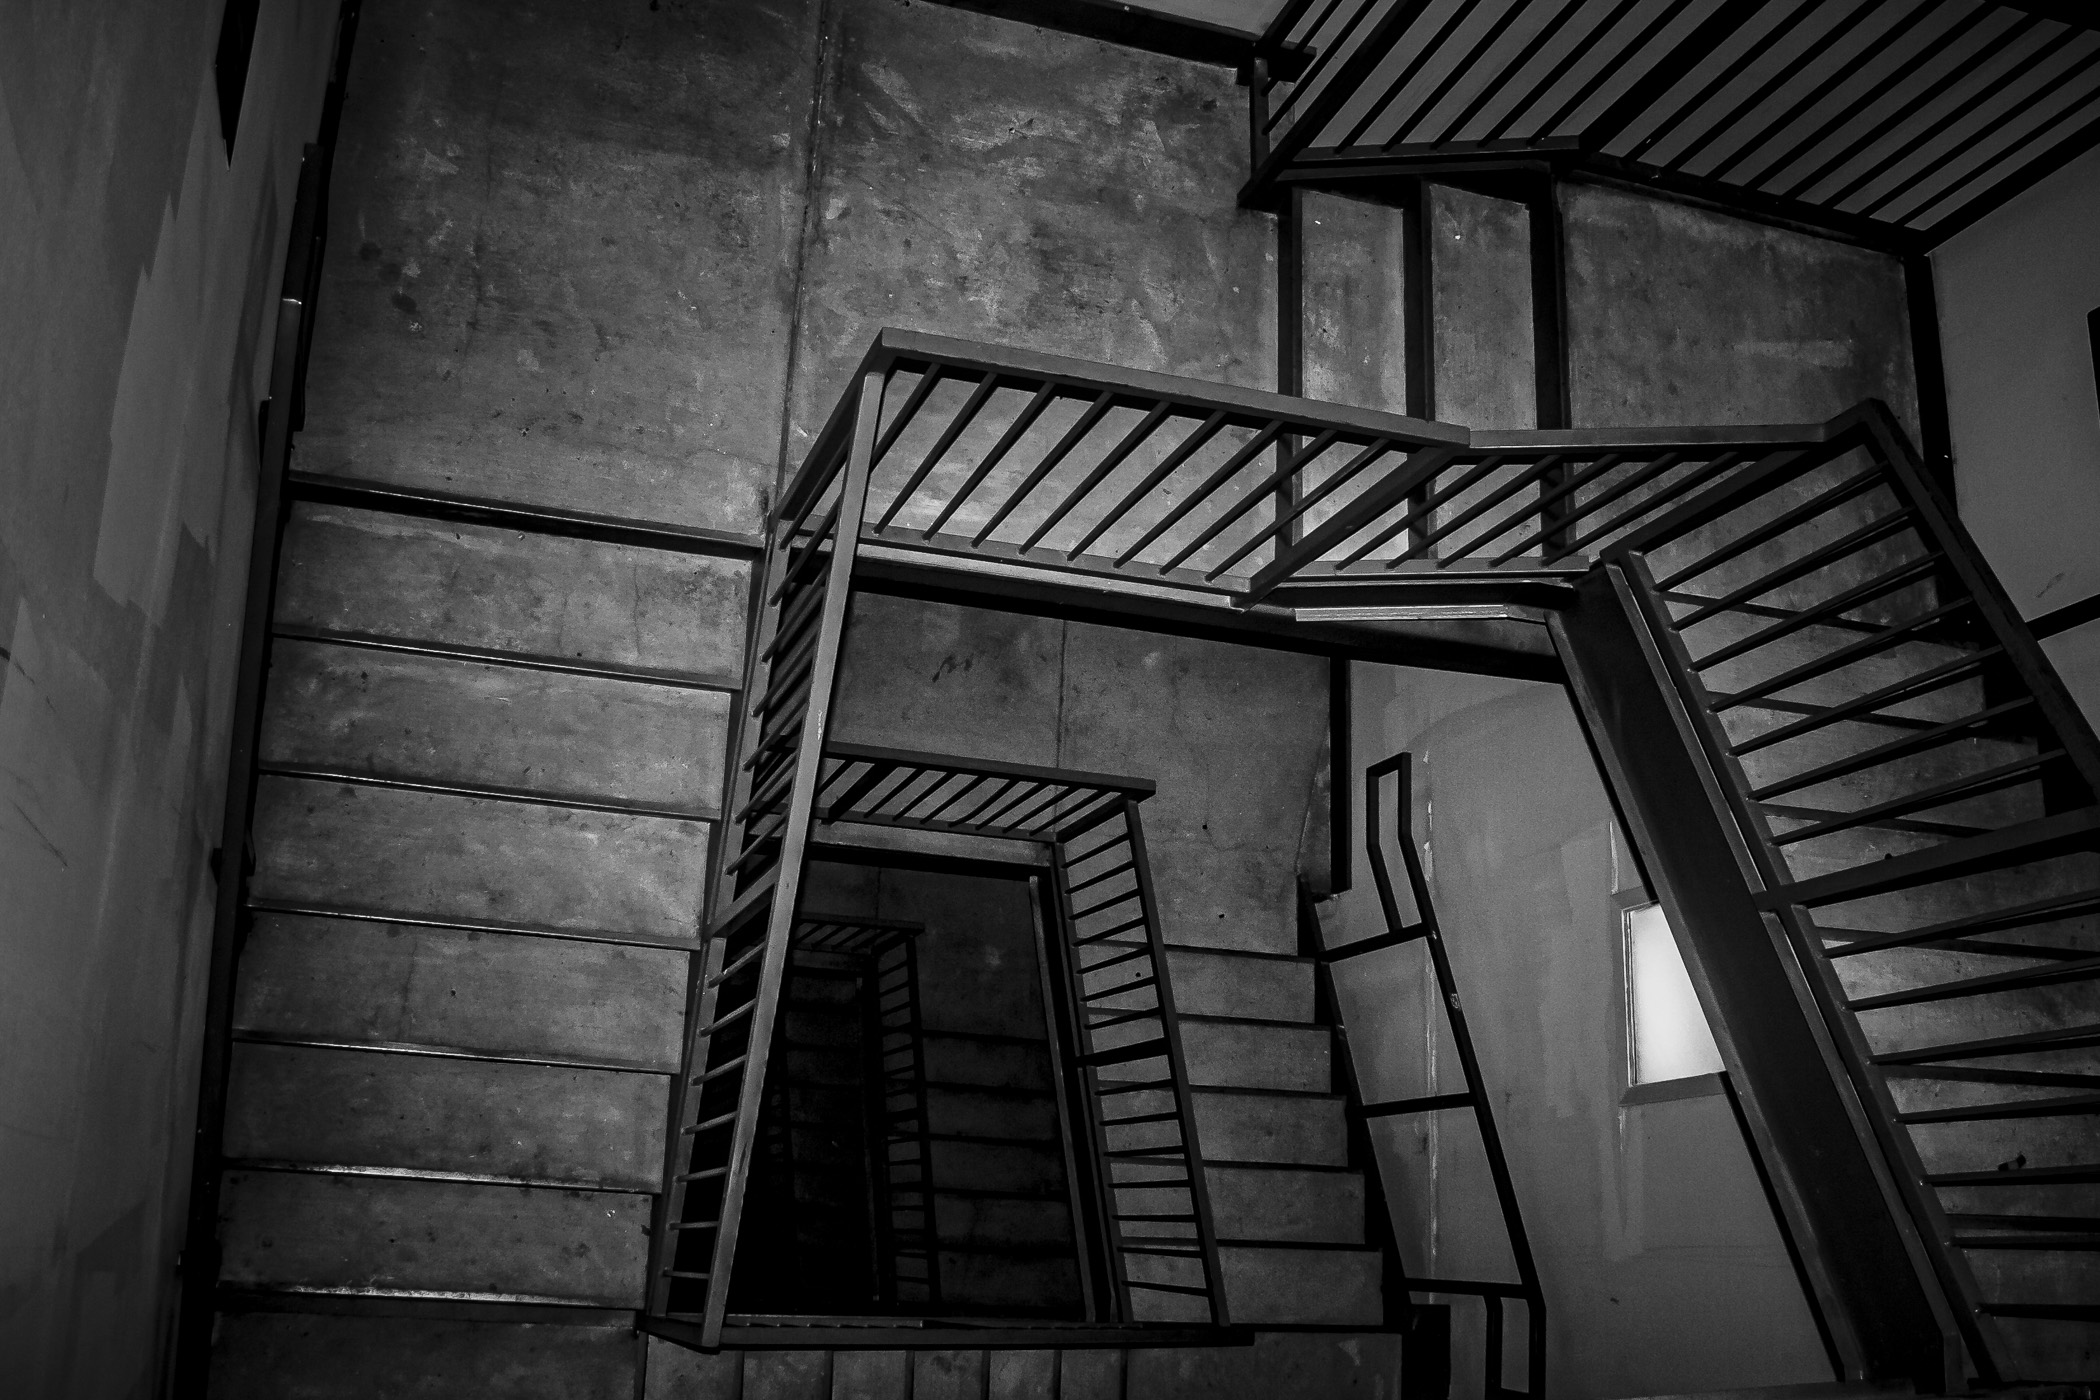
column 1235, row 738
column 2014, row 291
column 1676, row 316
column 1680, row 316
column 1663, row 1269
column 138, row 273
column 993, row 181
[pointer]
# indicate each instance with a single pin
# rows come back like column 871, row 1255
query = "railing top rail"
column 1517, row 440
column 1001, row 455
column 894, row 349
column 1079, row 780
column 1198, row 396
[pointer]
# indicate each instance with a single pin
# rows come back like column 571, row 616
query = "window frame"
column 1629, row 892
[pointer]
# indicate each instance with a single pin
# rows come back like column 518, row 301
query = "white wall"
column 1664, row 1271
column 138, row 276
column 2014, row 290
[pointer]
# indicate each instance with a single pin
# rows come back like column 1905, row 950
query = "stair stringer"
column 1865, row 1270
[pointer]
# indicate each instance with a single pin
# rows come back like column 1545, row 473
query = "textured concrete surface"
column 1331, row 1367
column 413, row 853
column 273, row 1356
column 430, row 718
column 561, row 254
column 373, row 1232
column 330, row 1107
column 1355, row 336
column 1233, row 736
column 998, row 182
column 341, row 979
column 364, row 571
column 139, row 270
column 1678, row 316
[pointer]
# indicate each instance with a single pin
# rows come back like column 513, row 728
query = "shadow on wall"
column 1663, row 1269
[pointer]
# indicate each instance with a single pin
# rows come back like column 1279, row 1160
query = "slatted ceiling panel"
column 1891, row 114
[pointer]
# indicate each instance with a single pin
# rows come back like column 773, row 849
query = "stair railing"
column 1474, row 1098
column 1880, row 559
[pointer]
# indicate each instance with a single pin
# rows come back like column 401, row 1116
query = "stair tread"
column 2008, row 846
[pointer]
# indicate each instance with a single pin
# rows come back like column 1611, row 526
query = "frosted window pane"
column 1666, row 1028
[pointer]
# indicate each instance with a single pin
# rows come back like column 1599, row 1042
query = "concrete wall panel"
column 1000, row 182
column 1355, row 334
column 1679, row 316
column 561, row 260
column 1480, row 262
column 1235, row 739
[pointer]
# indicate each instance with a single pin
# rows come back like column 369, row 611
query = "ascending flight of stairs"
column 1922, row 800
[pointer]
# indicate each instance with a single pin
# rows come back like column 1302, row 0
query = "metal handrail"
column 1428, row 930
column 1004, row 457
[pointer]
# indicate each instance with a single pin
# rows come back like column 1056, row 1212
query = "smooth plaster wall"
column 2014, row 291
column 137, row 275
column 1663, row 1268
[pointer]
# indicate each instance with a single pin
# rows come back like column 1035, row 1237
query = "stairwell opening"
column 915, row 1158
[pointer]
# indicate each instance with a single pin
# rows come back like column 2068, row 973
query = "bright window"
column 1666, row 1032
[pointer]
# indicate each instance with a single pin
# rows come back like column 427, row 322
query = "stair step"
column 425, row 853
column 300, row 1230
column 1021, row 1280
column 443, row 720
column 1212, row 983
column 1326, row 1286
column 484, row 586
column 1275, row 1364
column 414, row 1112
column 2013, row 845
column 356, row 980
column 962, row 1111
column 964, row 1221
column 259, row 1355
column 1257, row 1055
column 1307, row 1130
column 1250, row 1203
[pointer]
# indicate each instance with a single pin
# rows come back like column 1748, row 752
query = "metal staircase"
column 1912, row 796
column 1872, row 810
